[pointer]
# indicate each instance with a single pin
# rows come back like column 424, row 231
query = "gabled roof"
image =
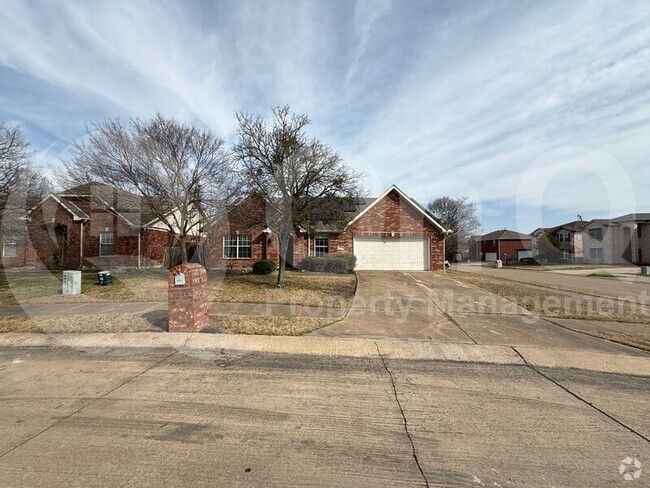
column 576, row 225
column 131, row 208
column 74, row 210
column 632, row 217
column 505, row 235
column 425, row 213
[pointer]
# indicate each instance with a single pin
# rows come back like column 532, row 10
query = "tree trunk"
column 183, row 246
column 283, row 243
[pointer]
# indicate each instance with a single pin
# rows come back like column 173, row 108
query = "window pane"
column 9, row 248
column 321, row 245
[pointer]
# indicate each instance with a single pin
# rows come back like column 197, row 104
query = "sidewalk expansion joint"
column 401, row 410
column 578, row 397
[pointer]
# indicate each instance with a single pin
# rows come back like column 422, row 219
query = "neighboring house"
column 621, row 240
column 89, row 226
column 506, row 245
column 569, row 237
column 391, row 231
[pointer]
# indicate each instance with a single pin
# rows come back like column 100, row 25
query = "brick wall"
column 506, row 247
column 188, row 303
column 392, row 216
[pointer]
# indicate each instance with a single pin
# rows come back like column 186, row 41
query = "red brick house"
column 506, row 245
column 391, row 231
column 96, row 226
column 89, row 226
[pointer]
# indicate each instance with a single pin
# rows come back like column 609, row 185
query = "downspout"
column 444, row 249
column 81, row 247
column 139, row 249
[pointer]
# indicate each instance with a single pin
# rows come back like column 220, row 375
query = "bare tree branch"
column 298, row 178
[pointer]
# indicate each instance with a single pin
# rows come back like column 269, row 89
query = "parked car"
column 528, row 261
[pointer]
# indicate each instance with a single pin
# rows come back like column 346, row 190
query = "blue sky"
column 536, row 110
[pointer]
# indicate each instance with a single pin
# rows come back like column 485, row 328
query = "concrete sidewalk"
column 140, row 308
column 199, row 343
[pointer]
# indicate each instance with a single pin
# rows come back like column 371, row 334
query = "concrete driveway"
column 435, row 307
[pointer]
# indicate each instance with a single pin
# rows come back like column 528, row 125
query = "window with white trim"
column 9, row 247
column 321, row 245
column 596, row 233
column 596, row 252
column 237, row 247
column 106, row 243
column 563, row 237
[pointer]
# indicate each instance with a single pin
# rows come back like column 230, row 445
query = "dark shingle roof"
column 505, row 234
column 131, row 207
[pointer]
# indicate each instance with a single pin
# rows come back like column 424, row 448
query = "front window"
column 321, row 246
column 238, row 247
column 106, row 243
column 9, row 247
column 596, row 234
column 596, row 253
column 563, row 237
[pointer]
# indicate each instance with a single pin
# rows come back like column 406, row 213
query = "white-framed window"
column 566, row 254
column 9, row 247
column 596, row 252
column 596, row 233
column 238, row 247
column 321, row 245
column 564, row 237
column 106, row 243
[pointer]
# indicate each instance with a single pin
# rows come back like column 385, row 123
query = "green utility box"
column 104, row 278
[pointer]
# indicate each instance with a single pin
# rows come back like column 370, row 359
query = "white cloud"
column 438, row 98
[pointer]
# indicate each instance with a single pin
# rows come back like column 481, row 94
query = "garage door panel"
column 392, row 253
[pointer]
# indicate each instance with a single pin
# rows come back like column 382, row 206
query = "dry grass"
column 547, row 302
column 81, row 323
column 318, row 289
column 276, row 326
column 635, row 340
column 34, row 287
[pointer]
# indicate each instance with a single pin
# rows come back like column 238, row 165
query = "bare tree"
column 183, row 174
column 16, row 168
column 459, row 215
column 300, row 180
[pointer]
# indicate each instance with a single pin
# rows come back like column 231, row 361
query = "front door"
column 289, row 259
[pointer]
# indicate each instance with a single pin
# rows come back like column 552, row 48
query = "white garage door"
column 524, row 254
column 404, row 253
column 490, row 256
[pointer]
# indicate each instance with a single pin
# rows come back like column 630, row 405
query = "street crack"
column 401, row 410
column 578, row 397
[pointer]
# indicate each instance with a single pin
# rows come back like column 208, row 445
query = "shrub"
column 343, row 263
column 263, row 267
column 351, row 260
column 313, row 263
column 336, row 265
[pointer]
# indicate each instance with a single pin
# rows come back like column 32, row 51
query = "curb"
column 340, row 347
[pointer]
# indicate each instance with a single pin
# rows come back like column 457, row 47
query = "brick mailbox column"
column 187, row 298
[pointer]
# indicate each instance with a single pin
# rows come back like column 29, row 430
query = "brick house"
column 391, row 231
column 506, row 245
column 89, row 226
column 569, row 237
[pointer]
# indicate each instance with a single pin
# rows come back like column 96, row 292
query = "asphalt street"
column 97, row 416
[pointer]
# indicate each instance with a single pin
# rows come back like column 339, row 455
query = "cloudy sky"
column 536, row 110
